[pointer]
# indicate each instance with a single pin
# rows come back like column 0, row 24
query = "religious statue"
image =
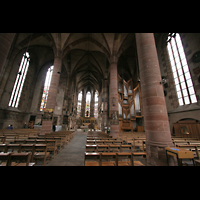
column 114, row 117
column 113, row 101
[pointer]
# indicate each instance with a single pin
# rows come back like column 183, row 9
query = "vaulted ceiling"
column 86, row 56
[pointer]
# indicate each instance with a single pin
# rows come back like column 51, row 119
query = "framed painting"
column 48, row 114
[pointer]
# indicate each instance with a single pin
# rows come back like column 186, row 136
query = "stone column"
column 113, row 101
column 105, row 105
column 51, row 101
column 154, row 107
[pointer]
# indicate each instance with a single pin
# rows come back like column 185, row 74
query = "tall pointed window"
column 46, row 88
column 87, row 107
column 182, row 78
column 96, row 99
column 79, row 104
column 19, row 81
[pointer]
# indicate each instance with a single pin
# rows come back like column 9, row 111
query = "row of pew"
column 111, row 159
column 103, row 150
column 41, row 147
column 108, row 151
column 35, row 152
column 16, row 159
column 191, row 144
column 136, row 139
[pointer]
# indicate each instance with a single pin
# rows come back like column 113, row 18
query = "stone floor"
column 73, row 153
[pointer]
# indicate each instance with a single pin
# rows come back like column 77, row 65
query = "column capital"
column 58, row 54
column 113, row 59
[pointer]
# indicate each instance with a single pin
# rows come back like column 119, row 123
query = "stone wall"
column 191, row 44
column 14, row 117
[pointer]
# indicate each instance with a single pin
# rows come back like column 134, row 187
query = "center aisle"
column 73, row 153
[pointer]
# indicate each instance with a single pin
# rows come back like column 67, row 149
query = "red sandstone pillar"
column 105, row 106
column 113, row 101
column 51, row 101
column 154, row 107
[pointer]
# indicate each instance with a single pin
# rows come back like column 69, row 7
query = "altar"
column 83, row 127
column 87, row 122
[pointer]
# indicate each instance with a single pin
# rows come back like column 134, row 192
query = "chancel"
column 111, row 99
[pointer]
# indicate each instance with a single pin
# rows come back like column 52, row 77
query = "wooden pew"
column 102, row 138
column 52, row 147
column 13, row 148
column 33, row 137
column 117, row 142
column 197, row 162
column 23, row 159
column 114, row 148
column 128, row 136
column 5, row 159
column 126, row 148
column 107, row 142
column 112, row 159
column 28, row 148
column 127, row 159
column 3, row 148
column 2, row 139
column 10, row 137
column 59, row 142
column 109, row 148
column 16, row 159
column 40, row 153
column 91, row 142
column 98, row 142
column 92, row 159
column 102, row 148
column 90, row 148
column 195, row 148
column 138, row 163
column 30, row 141
column 108, row 159
column 124, row 159
column 19, row 141
column 63, row 138
column 137, row 142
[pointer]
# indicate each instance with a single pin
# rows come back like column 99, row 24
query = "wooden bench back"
column 111, row 159
column 5, row 157
column 21, row 157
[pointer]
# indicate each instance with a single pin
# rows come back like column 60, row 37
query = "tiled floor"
column 73, row 153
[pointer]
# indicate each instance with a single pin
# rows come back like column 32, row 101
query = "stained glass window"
column 79, row 104
column 96, row 99
column 46, row 88
column 87, row 107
